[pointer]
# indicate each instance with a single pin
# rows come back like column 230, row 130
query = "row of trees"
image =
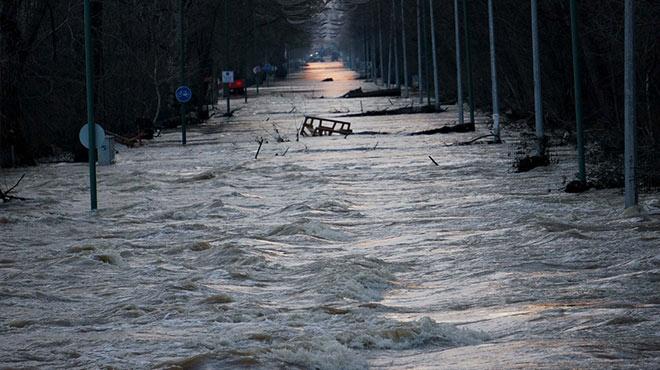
column 374, row 33
column 42, row 64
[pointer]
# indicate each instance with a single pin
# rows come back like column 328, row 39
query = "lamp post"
column 468, row 60
column 459, row 75
column 577, row 79
column 538, row 97
column 405, row 52
column 436, row 80
column 493, row 71
column 419, row 53
column 630, row 155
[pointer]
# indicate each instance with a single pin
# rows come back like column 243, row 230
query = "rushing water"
column 329, row 253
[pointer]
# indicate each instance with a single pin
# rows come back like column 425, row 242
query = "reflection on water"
column 344, row 252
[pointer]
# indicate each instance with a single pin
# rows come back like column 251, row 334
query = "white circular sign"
column 83, row 135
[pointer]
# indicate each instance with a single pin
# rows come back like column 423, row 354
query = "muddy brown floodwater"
column 328, row 253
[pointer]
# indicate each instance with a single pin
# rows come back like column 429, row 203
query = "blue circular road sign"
column 183, row 94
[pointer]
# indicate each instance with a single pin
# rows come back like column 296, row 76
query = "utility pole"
column 459, row 75
column 404, row 43
column 419, row 53
column 577, row 79
column 182, row 71
column 538, row 97
column 91, row 125
column 493, row 72
column 468, row 59
column 630, row 155
column 436, row 80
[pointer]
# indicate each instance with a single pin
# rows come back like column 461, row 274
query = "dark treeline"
column 602, row 57
column 42, row 83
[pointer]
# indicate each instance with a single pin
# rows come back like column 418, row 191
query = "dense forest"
column 136, row 54
column 601, row 56
column 42, row 64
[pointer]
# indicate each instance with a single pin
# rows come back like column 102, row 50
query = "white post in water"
column 538, row 97
column 631, row 195
column 419, row 52
column 459, row 78
column 493, row 72
column 436, row 80
column 405, row 53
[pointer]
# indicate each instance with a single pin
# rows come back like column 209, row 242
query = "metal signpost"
column 183, row 95
column 91, row 128
column 256, row 70
column 228, row 78
column 182, row 73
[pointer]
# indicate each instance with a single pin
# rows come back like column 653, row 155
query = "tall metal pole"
column 468, row 60
column 389, row 63
column 493, row 71
column 91, row 125
column 227, row 90
column 436, row 79
column 397, row 71
column 419, row 53
column 538, row 97
column 427, row 69
column 380, row 41
column 577, row 79
column 404, row 43
column 182, row 71
column 631, row 196
column 459, row 74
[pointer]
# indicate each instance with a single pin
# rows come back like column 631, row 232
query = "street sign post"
column 228, row 78
column 98, row 136
column 183, row 94
column 256, row 70
column 89, row 74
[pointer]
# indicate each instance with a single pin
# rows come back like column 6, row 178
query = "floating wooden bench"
column 321, row 129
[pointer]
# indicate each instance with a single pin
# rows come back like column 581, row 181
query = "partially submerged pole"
column 468, row 60
column 630, row 156
column 91, row 125
column 436, row 79
column 538, row 97
column 404, row 43
column 459, row 78
column 493, row 72
column 419, row 53
column 577, row 79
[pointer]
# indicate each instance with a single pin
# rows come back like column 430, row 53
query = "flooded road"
column 329, row 253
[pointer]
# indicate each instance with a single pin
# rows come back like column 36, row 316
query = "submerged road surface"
column 324, row 253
